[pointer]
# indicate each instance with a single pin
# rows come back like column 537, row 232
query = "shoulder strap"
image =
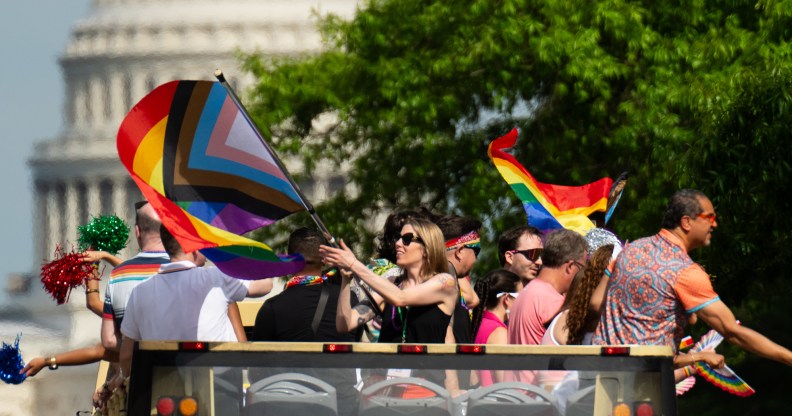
column 320, row 308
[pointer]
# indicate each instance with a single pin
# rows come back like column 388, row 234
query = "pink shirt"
column 489, row 323
column 536, row 305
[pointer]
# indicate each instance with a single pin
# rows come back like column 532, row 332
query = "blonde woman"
column 417, row 307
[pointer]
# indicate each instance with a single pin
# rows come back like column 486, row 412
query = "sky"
column 33, row 35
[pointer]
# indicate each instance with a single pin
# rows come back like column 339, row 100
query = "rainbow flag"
column 549, row 206
column 205, row 171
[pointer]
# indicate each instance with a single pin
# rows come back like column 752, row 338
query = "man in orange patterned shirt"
column 656, row 285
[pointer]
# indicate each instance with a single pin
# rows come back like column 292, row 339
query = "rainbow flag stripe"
column 547, row 206
column 133, row 270
column 205, row 171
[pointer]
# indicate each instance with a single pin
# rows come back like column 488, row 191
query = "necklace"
column 402, row 318
column 402, row 314
column 305, row 280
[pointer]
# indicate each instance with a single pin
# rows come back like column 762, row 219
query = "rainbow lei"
column 308, row 280
column 305, row 280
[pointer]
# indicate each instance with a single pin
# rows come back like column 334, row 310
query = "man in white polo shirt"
column 186, row 302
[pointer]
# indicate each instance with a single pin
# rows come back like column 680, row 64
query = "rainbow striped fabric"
column 724, row 378
column 549, row 206
column 205, row 171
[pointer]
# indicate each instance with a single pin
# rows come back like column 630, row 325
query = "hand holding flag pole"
column 305, row 202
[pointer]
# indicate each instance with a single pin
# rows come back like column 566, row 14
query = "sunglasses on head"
column 408, row 238
column 531, row 254
column 502, row 294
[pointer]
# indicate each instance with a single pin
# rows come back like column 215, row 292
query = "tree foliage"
column 680, row 94
column 743, row 160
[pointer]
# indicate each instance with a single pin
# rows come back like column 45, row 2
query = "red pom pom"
column 63, row 274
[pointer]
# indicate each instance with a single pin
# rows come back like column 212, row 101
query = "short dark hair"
column 146, row 223
column 508, row 240
column 386, row 248
column 306, row 241
column 685, row 202
column 455, row 226
column 562, row 246
column 172, row 246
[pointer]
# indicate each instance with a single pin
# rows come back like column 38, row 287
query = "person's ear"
column 569, row 265
column 686, row 223
column 508, row 256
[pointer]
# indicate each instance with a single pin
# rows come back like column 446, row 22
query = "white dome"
column 116, row 28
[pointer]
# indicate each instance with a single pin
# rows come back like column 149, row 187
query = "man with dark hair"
column 306, row 312
column 520, row 252
column 463, row 245
column 655, row 285
column 289, row 315
column 563, row 257
column 127, row 275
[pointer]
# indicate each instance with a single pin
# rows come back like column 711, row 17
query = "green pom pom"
column 104, row 233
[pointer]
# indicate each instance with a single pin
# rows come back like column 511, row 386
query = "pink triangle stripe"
column 220, row 148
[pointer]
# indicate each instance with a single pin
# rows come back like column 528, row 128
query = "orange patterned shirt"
column 655, row 285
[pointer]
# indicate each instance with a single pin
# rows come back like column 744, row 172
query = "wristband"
column 88, row 291
column 53, row 363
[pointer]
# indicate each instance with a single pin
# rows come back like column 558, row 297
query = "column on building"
column 52, row 226
column 70, row 212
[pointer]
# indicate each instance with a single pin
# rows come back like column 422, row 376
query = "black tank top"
column 425, row 324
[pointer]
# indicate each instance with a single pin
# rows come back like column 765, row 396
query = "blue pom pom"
column 11, row 362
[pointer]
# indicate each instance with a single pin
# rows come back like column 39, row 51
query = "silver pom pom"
column 598, row 237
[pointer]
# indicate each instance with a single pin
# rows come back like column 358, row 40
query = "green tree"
column 418, row 89
column 743, row 162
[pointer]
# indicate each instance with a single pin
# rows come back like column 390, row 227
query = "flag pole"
column 305, row 202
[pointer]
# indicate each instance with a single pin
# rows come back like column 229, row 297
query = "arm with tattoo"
column 350, row 318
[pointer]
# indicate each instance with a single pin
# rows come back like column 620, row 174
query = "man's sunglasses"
column 531, row 254
column 709, row 217
column 475, row 247
column 408, row 238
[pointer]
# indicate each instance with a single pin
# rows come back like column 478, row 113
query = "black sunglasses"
column 531, row 254
column 475, row 247
column 409, row 238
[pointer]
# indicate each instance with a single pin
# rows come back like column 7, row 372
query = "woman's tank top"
column 425, row 324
